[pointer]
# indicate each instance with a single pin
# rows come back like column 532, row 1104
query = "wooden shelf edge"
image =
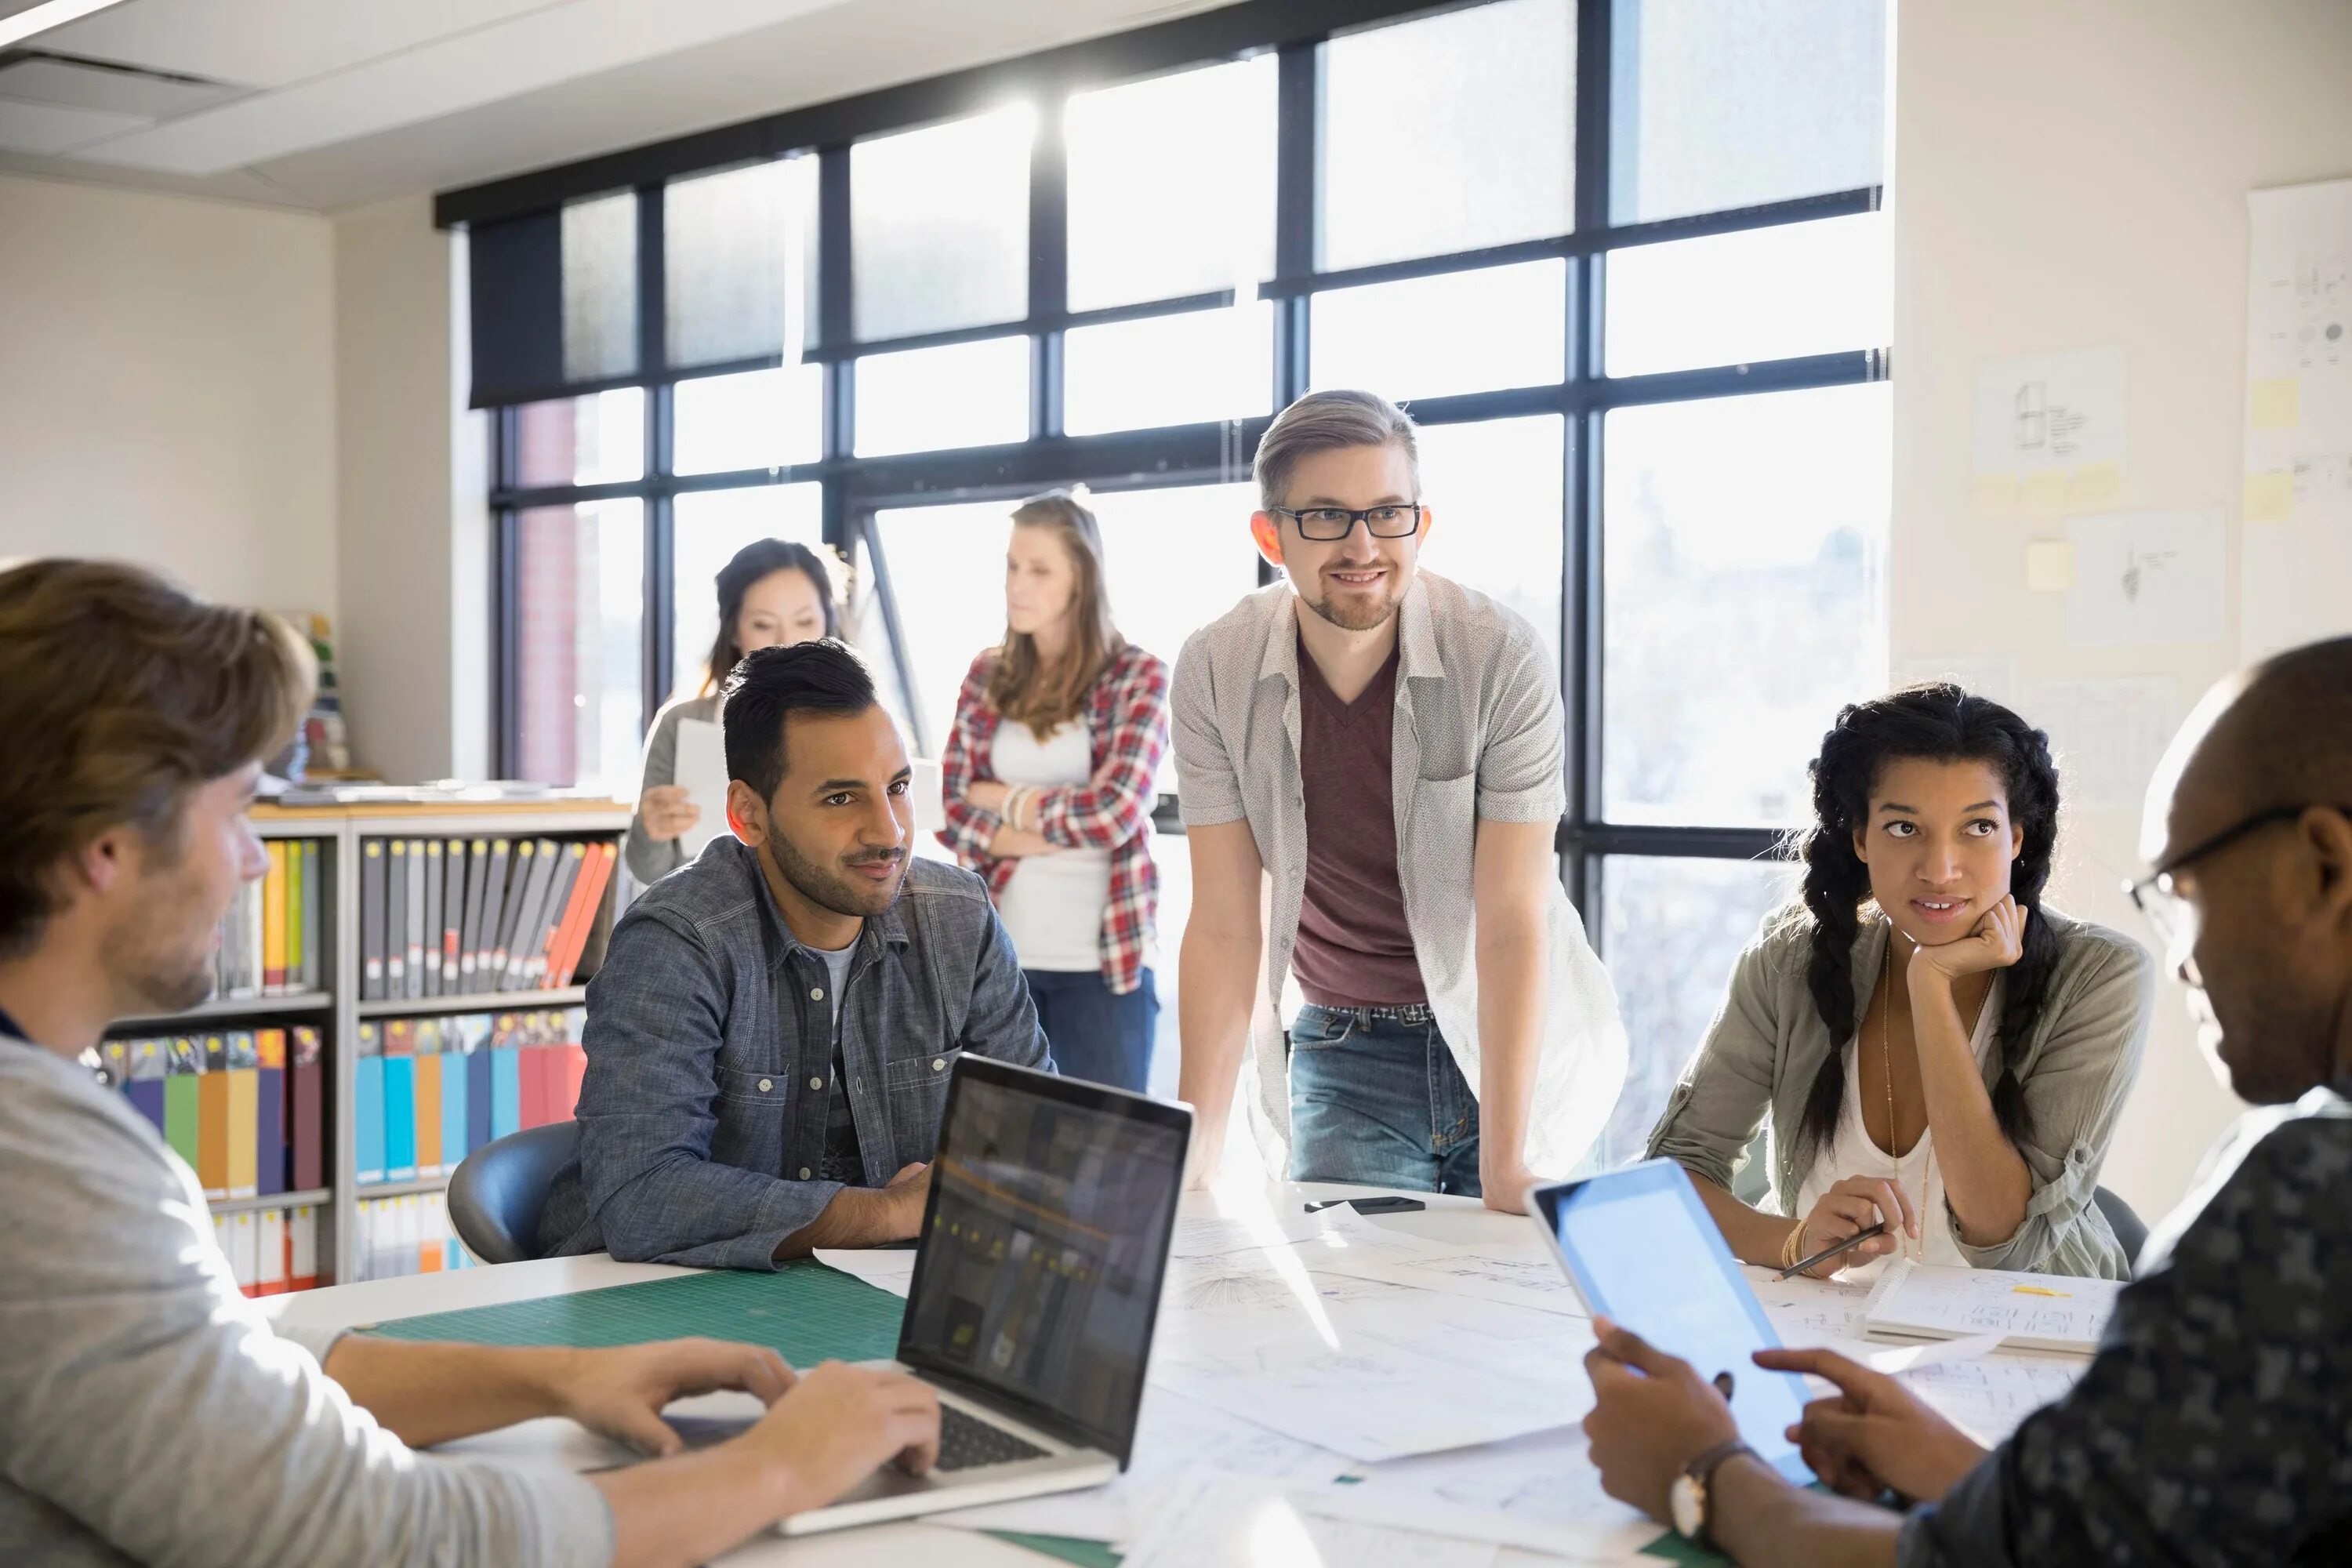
column 363, row 1191
column 215, row 1010
column 484, row 1002
column 316, row 1197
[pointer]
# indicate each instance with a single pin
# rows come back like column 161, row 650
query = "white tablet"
column 1640, row 1247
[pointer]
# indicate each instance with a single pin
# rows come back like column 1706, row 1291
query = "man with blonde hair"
column 153, row 1414
column 1387, row 745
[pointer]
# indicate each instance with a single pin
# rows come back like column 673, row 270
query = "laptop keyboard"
column 966, row 1443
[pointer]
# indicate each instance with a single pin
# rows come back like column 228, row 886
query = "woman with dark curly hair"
column 1934, row 1046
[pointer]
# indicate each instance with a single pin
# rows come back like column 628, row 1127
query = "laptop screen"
column 1043, row 1247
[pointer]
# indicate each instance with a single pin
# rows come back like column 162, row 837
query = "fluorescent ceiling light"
column 46, row 15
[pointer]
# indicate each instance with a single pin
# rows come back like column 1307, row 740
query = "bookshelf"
column 336, row 1006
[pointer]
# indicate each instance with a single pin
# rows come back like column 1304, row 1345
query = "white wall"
column 2075, row 177
column 167, row 388
column 414, row 557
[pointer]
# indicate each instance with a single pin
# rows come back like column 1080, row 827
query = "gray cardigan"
column 151, row 1413
column 1765, row 1047
column 649, row 862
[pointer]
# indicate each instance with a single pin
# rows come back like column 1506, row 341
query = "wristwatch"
column 1691, row 1497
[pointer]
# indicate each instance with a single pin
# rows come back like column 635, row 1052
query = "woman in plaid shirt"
column 1048, row 783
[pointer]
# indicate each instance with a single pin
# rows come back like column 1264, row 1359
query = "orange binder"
column 212, row 1120
column 273, row 921
column 428, row 1114
column 587, row 902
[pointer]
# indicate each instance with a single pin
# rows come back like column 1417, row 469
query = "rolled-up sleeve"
column 647, row 1113
column 1726, row 1092
column 2073, row 1095
column 1208, row 787
column 1522, row 770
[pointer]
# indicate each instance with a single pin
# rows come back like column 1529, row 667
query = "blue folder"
column 367, row 1121
column 454, row 1146
column 400, row 1119
column 506, row 1091
column 477, row 1097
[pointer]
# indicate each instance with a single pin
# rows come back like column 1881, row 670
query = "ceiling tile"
column 51, row 128
column 272, row 43
column 37, row 79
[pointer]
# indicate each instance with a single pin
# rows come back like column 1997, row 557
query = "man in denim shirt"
column 771, row 1034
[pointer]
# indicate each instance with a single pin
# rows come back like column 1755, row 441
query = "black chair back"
column 496, row 1196
column 2122, row 1222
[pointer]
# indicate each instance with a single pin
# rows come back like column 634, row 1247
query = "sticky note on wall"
column 2275, row 404
column 2270, row 496
column 2050, row 565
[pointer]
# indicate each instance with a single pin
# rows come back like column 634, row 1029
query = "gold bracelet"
column 1794, row 1247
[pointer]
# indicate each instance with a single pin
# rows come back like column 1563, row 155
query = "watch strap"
column 1701, row 1471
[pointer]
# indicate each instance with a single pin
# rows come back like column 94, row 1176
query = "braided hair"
column 1939, row 722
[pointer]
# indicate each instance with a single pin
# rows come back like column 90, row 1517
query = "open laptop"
column 1037, row 1289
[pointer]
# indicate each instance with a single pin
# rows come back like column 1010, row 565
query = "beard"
column 1358, row 612
column 163, row 955
column 831, row 887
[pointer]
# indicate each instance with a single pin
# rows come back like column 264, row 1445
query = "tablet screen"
column 1644, row 1250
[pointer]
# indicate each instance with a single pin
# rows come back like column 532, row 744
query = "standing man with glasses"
column 1387, row 745
column 2215, row 1426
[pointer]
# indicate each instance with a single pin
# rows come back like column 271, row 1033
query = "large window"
column 1623, row 260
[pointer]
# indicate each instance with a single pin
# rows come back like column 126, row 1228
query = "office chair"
column 499, row 1189
column 2122, row 1222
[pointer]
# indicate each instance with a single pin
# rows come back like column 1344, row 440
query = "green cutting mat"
column 805, row 1311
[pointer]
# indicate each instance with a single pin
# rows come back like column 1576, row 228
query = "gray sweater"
column 148, row 1412
column 649, row 862
column 1760, row 1058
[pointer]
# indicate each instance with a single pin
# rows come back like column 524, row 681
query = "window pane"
column 1494, row 492
column 1171, row 184
column 707, row 528
column 946, row 567
column 1672, row 930
column 965, row 394
column 1763, row 293
column 1458, row 331
column 600, row 288
column 939, row 224
column 594, row 440
column 1449, row 134
column 1729, row 103
column 1169, row 370
column 1744, row 541
column 580, row 598
column 733, row 245
column 759, row 419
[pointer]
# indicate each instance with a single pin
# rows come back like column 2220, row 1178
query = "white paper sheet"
column 891, row 1269
column 1987, row 1398
column 2040, row 1310
column 1524, row 1276
column 1538, row 1493
column 1808, row 1311
column 1174, row 1438
column 1216, row 1521
column 2049, row 436
column 2108, row 734
column 701, row 767
column 2143, row 577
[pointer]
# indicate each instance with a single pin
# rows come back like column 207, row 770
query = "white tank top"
column 1850, row 1152
column 1053, row 907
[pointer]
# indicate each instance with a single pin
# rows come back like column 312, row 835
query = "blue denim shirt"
column 710, row 1042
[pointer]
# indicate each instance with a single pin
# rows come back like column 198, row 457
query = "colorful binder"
column 399, row 1101
column 367, row 1108
column 269, row 1158
column 242, row 1107
column 307, row 1122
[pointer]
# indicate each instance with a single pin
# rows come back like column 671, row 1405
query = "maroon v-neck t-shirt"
column 1354, row 948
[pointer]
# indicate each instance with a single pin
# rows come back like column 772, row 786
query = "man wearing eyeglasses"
column 1387, row 745
column 2215, row 1426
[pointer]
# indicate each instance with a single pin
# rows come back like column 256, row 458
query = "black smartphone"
column 1391, row 1204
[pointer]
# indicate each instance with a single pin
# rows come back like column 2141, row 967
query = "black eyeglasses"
column 2166, row 909
column 1327, row 523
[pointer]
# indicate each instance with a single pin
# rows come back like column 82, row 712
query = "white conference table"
column 1457, row 1220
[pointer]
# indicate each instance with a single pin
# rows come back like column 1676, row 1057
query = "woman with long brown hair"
column 773, row 593
column 1049, row 783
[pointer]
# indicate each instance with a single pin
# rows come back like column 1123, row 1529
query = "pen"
column 2039, row 1290
column 1851, row 1242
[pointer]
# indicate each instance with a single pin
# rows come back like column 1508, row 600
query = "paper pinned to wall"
column 2048, row 565
column 2049, row 435
column 2295, row 576
column 2108, row 734
column 2144, row 577
column 701, row 767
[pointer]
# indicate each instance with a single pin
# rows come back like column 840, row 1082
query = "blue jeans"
column 1097, row 1033
column 1375, row 1099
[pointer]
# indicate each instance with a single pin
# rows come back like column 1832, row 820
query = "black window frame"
column 855, row 488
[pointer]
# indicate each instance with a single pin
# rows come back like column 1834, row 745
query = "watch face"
column 1687, row 1500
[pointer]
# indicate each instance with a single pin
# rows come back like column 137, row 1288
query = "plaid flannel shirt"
column 1127, row 728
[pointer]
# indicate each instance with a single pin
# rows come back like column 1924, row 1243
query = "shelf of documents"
column 367, row 1032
